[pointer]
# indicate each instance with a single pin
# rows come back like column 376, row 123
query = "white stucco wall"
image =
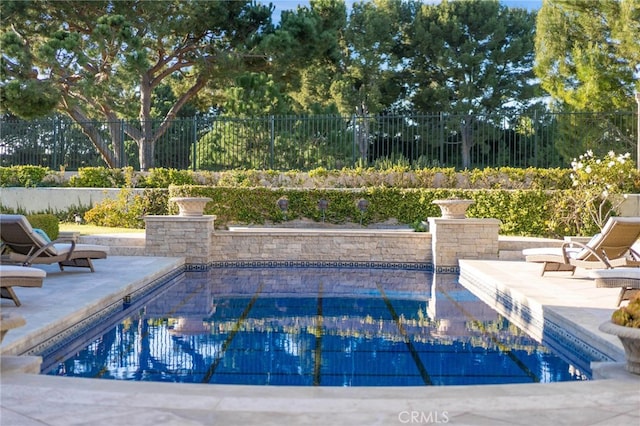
column 37, row 200
column 631, row 206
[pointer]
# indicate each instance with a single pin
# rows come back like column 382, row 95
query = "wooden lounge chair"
column 20, row 244
column 628, row 279
column 612, row 248
column 18, row 276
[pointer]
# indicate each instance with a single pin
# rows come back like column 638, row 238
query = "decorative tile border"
column 562, row 340
column 146, row 290
column 196, row 267
column 566, row 344
column 61, row 339
column 447, row 269
column 311, row 264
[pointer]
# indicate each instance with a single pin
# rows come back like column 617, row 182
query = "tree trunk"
column 146, row 142
column 362, row 132
column 89, row 129
column 116, row 131
column 146, row 153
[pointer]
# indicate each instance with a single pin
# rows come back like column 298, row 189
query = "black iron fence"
column 333, row 142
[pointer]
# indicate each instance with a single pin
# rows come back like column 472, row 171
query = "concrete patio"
column 32, row 399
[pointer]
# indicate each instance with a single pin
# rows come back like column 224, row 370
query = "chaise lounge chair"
column 18, row 276
column 611, row 248
column 627, row 279
column 20, row 244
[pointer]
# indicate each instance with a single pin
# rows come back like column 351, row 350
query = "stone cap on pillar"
column 466, row 221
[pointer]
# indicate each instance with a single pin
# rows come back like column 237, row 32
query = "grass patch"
column 93, row 229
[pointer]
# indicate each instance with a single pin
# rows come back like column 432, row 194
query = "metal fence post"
column 194, row 143
column 56, row 135
column 354, row 152
column 535, row 137
column 272, row 131
column 442, row 144
column 123, row 160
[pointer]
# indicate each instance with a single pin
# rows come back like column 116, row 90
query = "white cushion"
column 572, row 252
column 628, row 273
column 62, row 248
column 14, row 271
column 595, row 241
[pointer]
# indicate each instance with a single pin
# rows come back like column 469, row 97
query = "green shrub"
column 600, row 183
column 23, row 176
column 128, row 209
column 163, row 178
column 99, row 177
column 49, row 223
column 535, row 202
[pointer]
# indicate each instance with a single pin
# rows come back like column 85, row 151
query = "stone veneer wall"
column 179, row 236
column 194, row 238
column 322, row 245
column 455, row 239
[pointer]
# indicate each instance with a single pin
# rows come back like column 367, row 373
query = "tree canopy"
column 136, row 65
column 469, row 58
column 588, row 53
column 588, row 60
column 104, row 59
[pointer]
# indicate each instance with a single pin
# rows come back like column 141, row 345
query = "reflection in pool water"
column 314, row 326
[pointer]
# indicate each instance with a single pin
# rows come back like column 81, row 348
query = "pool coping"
column 571, row 331
column 74, row 296
column 32, row 398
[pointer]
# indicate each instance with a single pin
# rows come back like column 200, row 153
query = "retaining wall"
column 310, row 245
column 38, row 200
column 195, row 239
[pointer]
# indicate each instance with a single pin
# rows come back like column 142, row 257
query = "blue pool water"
column 311, row 327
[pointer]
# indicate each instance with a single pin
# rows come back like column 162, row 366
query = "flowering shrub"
column 601, row 183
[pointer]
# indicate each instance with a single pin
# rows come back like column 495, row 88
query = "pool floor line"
column 317, row 365
column 214, row 365
column 426, row 378
column 502, row 348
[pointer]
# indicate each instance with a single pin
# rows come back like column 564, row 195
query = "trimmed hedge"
column 522, row 212
column 397, row 176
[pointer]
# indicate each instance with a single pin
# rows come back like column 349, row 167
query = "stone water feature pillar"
column 454, row 236
column 187, row 235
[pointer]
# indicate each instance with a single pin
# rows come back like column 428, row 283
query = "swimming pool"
column 311, row 327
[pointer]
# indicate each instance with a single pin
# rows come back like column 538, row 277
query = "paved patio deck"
column 31, row 399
